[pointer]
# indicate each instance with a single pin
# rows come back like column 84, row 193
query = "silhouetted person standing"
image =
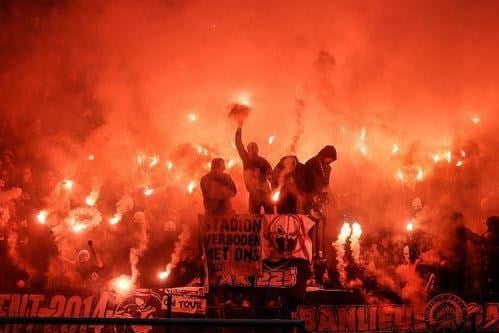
column 314, row 180
column 257, row 172
column 491, row 242
column 218, row 188
column 313, row 183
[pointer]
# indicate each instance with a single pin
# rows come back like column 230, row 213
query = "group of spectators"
column 31, row 256
column 24, row 247
column 291, row 187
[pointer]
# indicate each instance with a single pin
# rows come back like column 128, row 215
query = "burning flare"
column 163, row 275
column 79, row 227
column 276, row 195
column 410, row 226
column 271, row 139
column 363, row 149
column 166, row 273
column 192, row 117
column 339, row 246
column 191, row 186
column 140, row 159
column 148, row 191
column 400, row 175
column 355, row 241
column 115, row 219
column 68, row 184
column 169, row 165
column 154, row 161
column 231, row 163
column 42, row 215
column 448, row 156
column 420, row 174
column 244, row 99
column 475, row 120
column 91, row 199
column 123, row 284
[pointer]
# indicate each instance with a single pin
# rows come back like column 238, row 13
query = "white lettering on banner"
column 268, row 278
column 443, row 312
column 188, row 305
column 285, row 278
column 232, row 243
column 185, row 300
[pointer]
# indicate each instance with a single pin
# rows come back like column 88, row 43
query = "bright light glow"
column 459, row 163
column 166, row 273
column 154, row 161
column 42, row 215
column 420, row 174
column 79, row 227
column 191, row 186
column 231, row 163
column 363, row 149
column 91, row 199
column 400, row 175
column 169, row 165
column 345, row 232
column 115, row 219
column 409, row 227
column 463, row 153
column 395, row 149
column 123, row 284
column 148, row 191
column 475, row 120
column 448, row 156
column 244, row 99
column 276, row 195
column 91, row 157
column 68, row 184
column 271, row 139
column 436, row 158
column 192, row 117
column 140, row 159
column 363, row 134
column 202, row 150
column 356, row 230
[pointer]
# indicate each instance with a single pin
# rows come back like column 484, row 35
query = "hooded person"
column 218, row 188
column 257, row 172
column 313, row 180
column 284, row 182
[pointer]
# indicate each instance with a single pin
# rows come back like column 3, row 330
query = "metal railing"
column 297, row 326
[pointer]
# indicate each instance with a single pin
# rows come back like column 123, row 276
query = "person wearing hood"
column 288, row 199
column 257, row 172
column 314, row 180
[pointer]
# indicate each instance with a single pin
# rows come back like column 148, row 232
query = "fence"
column 19, row 324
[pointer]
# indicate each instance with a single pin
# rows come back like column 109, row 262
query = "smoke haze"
column 391, row 84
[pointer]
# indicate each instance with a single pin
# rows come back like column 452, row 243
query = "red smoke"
column 114, row 80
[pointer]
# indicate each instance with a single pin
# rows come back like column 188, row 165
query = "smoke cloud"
column 126, row 97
